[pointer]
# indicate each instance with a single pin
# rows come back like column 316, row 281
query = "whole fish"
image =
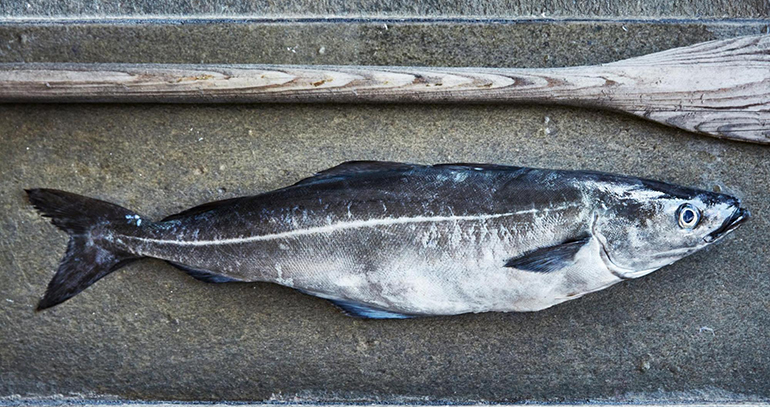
column 394, row 240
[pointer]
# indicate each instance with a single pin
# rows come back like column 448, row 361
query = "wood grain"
column 720, row 88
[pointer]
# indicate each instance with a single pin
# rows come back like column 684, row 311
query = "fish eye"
column 688, row 216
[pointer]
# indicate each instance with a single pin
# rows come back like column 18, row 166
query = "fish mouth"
column 739, row 216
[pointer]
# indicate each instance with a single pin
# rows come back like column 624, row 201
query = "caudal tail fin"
column 89, row 257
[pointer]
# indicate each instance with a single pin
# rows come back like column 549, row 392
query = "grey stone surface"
column 379, row 8
column 696, row 330
column 528, row 44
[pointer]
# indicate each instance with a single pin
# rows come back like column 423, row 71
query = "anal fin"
column 204, row 275
column 354, row 309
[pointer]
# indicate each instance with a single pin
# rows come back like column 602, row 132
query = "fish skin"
column 416, row 240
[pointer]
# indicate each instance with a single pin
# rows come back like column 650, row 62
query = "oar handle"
column 720, row 88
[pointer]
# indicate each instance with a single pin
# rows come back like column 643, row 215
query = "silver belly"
column 421, row 266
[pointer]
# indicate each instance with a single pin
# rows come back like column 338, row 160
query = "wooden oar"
column 719, row 88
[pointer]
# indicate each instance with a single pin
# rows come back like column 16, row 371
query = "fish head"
column 644, row 225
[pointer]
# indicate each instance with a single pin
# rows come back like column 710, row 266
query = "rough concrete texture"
column 696, row 330
column 379, row 8
column 100, row 403
column 528, row 44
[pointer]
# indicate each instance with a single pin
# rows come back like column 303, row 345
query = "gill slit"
column 611, row 266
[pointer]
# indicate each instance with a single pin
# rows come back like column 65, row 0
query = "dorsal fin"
column 199, row 209
column 477, row 167
column 353, row 168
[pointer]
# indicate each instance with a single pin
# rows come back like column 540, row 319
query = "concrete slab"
column 379, row 8
column 694, row 331
column 91, row 403
column 380, row 42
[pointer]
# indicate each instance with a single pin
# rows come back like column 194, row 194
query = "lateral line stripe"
column 341, row 226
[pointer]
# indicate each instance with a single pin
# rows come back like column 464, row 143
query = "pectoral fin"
column 548, row 259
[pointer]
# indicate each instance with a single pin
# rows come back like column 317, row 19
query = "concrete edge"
column 309, row 19
column 125, row 403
